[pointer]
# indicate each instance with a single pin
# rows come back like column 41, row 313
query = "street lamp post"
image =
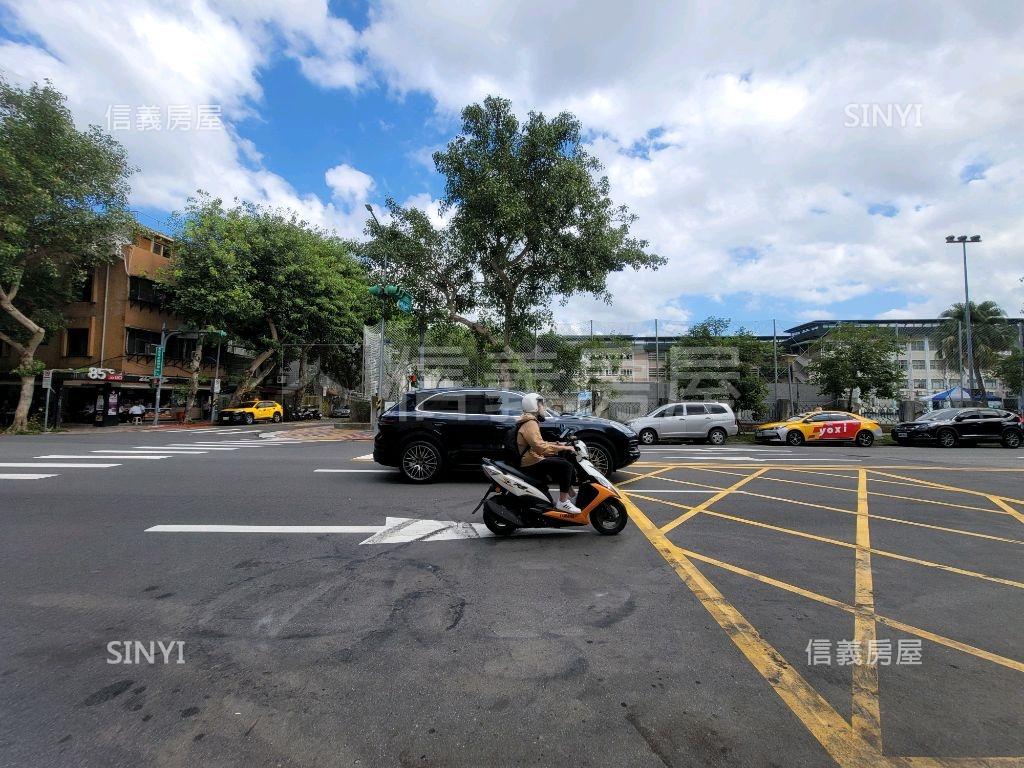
column 165, row 336
column 380, row 351
column 972, row 368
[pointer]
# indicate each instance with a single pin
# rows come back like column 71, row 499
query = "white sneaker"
column 567, row 506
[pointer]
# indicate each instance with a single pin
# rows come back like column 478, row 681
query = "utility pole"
column 380, row 349
column 1020, row 346
column 973, row 375
column 775, row 381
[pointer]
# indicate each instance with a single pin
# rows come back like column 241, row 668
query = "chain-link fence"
column 762, row 368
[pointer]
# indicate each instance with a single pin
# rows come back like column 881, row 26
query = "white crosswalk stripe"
column 147, row 456
column 23, row 476
column 53, row 465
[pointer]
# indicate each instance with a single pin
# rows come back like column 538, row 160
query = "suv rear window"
column 445, row 403
column 717, row 409
column 696, row 410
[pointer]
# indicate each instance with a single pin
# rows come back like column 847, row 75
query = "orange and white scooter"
column 517, row 500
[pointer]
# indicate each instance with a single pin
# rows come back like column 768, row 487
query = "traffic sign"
column 216, row 386
column 158, row 362
column 48, row 378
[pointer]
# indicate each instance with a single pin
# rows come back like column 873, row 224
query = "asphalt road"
column 681, row 642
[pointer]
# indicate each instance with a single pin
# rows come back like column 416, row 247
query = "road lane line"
column 889, row 622
column 357, row 471
column 830, row 729
column 368, row 529
column 51, row 465
column 714, row 499
column 23, row 476
column 943, row 487
column 865, row 717
column 998, row 501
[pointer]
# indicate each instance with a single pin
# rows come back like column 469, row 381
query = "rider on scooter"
column 540, row 458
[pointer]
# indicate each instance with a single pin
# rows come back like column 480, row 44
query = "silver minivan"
column 713, row 422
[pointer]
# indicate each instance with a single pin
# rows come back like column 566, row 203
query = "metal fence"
column 624, row 370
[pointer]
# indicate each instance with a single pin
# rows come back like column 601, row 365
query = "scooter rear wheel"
column 609, row 518
column 496, row 525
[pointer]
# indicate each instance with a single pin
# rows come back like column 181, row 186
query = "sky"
column 791, row 160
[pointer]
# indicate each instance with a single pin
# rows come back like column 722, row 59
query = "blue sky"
column 735, row 149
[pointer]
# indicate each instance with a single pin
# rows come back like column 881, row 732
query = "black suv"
column 950, row 427
column 432, row 430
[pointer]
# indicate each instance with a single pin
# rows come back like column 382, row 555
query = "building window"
column 86, row 294
column 78, row 342
column 938, row 384
column 918, row 365
column 142, row 290
column 140, row 342
column 160, row 249
column 920, row 383
column 917, row 345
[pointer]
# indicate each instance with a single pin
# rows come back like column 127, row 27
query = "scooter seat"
column 540, row 485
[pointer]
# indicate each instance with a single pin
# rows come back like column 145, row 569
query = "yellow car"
column 820, row 426
column 252, row 411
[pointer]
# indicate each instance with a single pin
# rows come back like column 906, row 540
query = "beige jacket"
column 529, row 436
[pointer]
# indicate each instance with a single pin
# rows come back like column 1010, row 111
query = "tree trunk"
column 195, row 365
column 26, row 354
column 253, row 376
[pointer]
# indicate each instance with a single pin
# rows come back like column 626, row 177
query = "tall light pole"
column 380, row 352
column 972, row 374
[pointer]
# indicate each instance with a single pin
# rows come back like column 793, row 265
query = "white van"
column 713, row 422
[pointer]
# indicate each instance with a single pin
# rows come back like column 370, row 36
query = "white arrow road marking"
column 364, row 457
column 25, row 476
column 49, row 465
column 396, row 530
column 118, row 456
column 386, row 471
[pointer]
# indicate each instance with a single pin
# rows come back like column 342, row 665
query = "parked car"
column 432, row 430
column 252, row 411
column 951, row 427
column 714, row 422
column 341, row 412
column 820, row 426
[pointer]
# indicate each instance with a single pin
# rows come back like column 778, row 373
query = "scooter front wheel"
column 609, row 518
column 496, row 525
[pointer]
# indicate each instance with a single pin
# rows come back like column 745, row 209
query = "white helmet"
column 533, row 403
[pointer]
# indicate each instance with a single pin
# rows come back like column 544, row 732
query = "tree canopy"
column 531, row 219
column 63, row 209
column 991, row 335
column 277, row 285
column 853, row 357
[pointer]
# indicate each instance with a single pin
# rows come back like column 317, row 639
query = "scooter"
column 517, row 500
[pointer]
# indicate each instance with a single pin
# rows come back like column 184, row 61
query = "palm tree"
column 992, row 336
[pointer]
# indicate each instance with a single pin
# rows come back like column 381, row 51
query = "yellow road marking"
column 1009, row 510
column 824, row 723
column 716, row 498
column 910, row 629
column 941, row 486
column 865, row 717
column 879, row 552
column 826, row 507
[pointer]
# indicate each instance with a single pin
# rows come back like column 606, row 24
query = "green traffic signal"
column 392, row 290
column 375, row 290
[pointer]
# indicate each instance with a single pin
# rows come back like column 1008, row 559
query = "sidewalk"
column 71, row 429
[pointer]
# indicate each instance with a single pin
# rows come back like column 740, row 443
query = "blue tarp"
column 958, row 394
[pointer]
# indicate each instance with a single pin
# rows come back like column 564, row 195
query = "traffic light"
column 403, row 298
column 375, row 290
column 413, row 380
column 392, row 290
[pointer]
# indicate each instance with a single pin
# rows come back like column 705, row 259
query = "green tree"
column 1010, row 371
column 532, row 218
column 278, row 286
column 211, row 279
column 710, row 358
column 991, row 336
column 853, row 357
column 63, row 209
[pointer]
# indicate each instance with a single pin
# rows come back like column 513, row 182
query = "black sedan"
column 951, row 427
column 432, row 430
